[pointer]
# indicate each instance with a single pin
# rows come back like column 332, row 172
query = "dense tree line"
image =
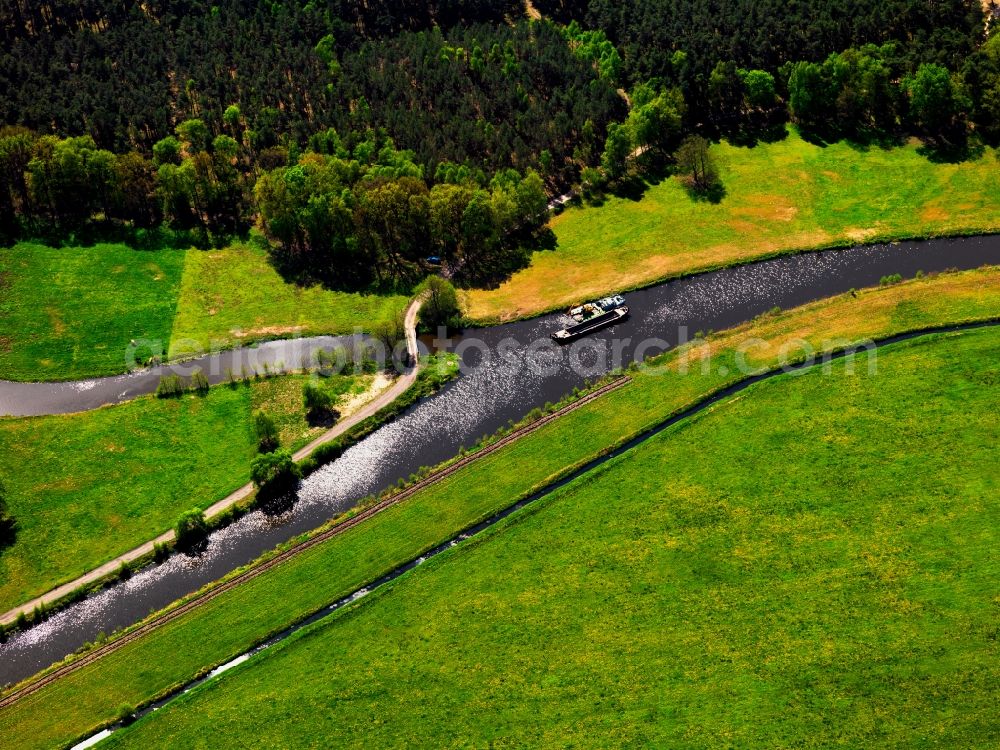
column 492, row 97
column 351, row 222
column 869, row 90
column 684, row 42
column 126, row 73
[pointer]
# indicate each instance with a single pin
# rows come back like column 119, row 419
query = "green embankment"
column 80, row 701
column 234, row 296
column 87, row 487
column 780, row 197
column 696, row 591
column 69, row 313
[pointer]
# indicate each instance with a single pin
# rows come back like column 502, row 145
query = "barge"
column 590, row 310
column 603, row 320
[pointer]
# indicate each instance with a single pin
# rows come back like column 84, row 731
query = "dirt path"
column 113, row 566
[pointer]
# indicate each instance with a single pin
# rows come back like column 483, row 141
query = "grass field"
column 230, row 623
column 784, row 196
column 87, row 487
column 68, row 313
column 694, row 592
column 235, row 296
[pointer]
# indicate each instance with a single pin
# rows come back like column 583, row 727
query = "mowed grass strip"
column 218, row 630
column 87, row 487
column 235, row 296
column 780, row 197
column 698, row 591
column 68, row 313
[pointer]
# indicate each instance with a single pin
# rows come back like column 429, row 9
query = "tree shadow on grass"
column 944, row 152
column 8, row 533
column 635, row 185
column 865, row 140
column 751, row 137
column 325, row 418
column 713, row 193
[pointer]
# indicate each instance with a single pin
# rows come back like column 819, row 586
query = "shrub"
column 199, row 383
column 275, row 475
column 161, row 552
column 266, row 432
column 891, row 279
column 440, row 307
column 390, row 333
column 271, row 467
column 170, row 386
column 695, row 161
column 7, row 523
column 318, row 403
column 125, row 713
column 191, row 528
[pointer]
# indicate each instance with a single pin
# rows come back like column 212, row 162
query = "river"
column 504, row 375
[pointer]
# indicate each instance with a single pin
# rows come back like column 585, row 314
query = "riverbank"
column 781, row 198
column 233, row 622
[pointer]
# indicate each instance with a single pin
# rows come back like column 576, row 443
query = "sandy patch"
column 64, row 484
column 743, row 226
column 769, row 207
column 352, row 404
column 55, row 320
column 860, row 234
column 934, row 213
column 6, row 343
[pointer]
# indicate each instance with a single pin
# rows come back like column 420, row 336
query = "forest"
column 319, row 120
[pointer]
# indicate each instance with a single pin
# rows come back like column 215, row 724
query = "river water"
column 507, row 370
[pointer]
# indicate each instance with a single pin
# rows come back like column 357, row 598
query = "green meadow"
column 697, row 591
column 780, row 197
column 234, row 296
column 246, row 614
column 71, row 313
column 68, row 313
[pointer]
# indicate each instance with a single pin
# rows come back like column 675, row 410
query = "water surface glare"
column 498, row 384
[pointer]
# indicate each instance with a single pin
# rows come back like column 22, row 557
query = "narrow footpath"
column 111, row 567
